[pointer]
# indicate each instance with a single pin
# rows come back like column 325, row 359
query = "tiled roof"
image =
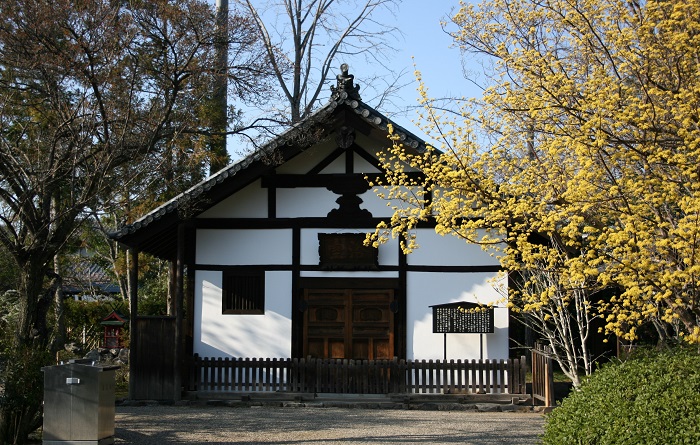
column 344, row 94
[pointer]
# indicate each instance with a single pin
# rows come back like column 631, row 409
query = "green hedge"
column 653, row 399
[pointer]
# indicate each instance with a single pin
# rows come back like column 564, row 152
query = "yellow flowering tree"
column 582, row 155
column 558, row 312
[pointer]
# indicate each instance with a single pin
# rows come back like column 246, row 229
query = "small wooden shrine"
column 113, row 325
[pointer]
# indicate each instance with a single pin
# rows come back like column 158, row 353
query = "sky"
column 429, row 47
column 424, row 43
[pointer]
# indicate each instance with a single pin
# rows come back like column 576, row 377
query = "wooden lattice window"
column 243, row 293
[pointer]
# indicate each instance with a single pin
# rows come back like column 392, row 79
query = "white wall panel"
column 241, row 247
column 305, row 202
column 250, row 202
column 239, row 335
column 308, row 159
column 335, row 167
column 448, row 250
column 426, row 289
column 379, row 208
column 362, row 166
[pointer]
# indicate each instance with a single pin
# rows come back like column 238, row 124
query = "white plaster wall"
column 243, row 335
column 380, row 208
column 307, row 159
column 448, row 250
column 242, row 247
column 337, row 166
column 305, row 202
column 359, row 163
column 250, row 202
column 425, row 289
column 317, row 202
column 362, row 166
column 388, row 254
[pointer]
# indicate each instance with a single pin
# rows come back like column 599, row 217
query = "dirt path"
column 269, row 425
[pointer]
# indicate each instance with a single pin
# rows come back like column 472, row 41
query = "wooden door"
column 349, row 323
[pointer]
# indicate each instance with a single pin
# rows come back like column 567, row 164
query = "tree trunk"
column 31, row 290
column 21, row 376
column 59, row 340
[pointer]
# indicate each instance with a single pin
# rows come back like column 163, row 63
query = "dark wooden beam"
column 179, row 310
column 133, row 256
column 320, row 180
column 372, row 160
column 297, row 315
column 328, row 180
column 349, row 162
column 401, row 335
column 328, row 160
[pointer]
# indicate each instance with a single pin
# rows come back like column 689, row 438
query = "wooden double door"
column 348, row 323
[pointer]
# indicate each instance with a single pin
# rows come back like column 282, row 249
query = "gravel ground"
column 146, row 425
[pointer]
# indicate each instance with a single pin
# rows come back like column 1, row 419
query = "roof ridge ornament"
column 344, row 84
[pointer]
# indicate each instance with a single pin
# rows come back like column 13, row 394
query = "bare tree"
column 93, row 95
column 306, row 39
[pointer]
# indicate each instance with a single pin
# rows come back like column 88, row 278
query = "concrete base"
column 105, row 441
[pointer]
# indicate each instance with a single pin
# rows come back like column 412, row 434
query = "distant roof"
column 155, row 231
column 84, row 276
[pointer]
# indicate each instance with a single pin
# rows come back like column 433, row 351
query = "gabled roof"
column 156, row 231
column 84, row 276
column 114, row 318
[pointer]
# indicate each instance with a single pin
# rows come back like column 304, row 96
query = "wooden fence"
column 153, row 366
column 358, row 376
column 542, row 376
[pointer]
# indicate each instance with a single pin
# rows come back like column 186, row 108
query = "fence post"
column 542, row 378
column 194, row 373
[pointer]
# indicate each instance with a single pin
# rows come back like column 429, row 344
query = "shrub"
column 85, row 317
column 652, row 399
column 21, row 396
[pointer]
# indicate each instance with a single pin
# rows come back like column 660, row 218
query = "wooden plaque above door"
column 346, row 251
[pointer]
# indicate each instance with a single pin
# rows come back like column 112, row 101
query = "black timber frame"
column 169, row 232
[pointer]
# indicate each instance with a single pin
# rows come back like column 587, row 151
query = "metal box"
column 79, row 404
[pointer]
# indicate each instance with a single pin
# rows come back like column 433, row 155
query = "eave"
column 156, row 232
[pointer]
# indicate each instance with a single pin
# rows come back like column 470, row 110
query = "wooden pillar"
column 297, row 315
column 172, row 288
column 188, row 320
column 179, row 312
column 133, row 320
column 402, row 335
